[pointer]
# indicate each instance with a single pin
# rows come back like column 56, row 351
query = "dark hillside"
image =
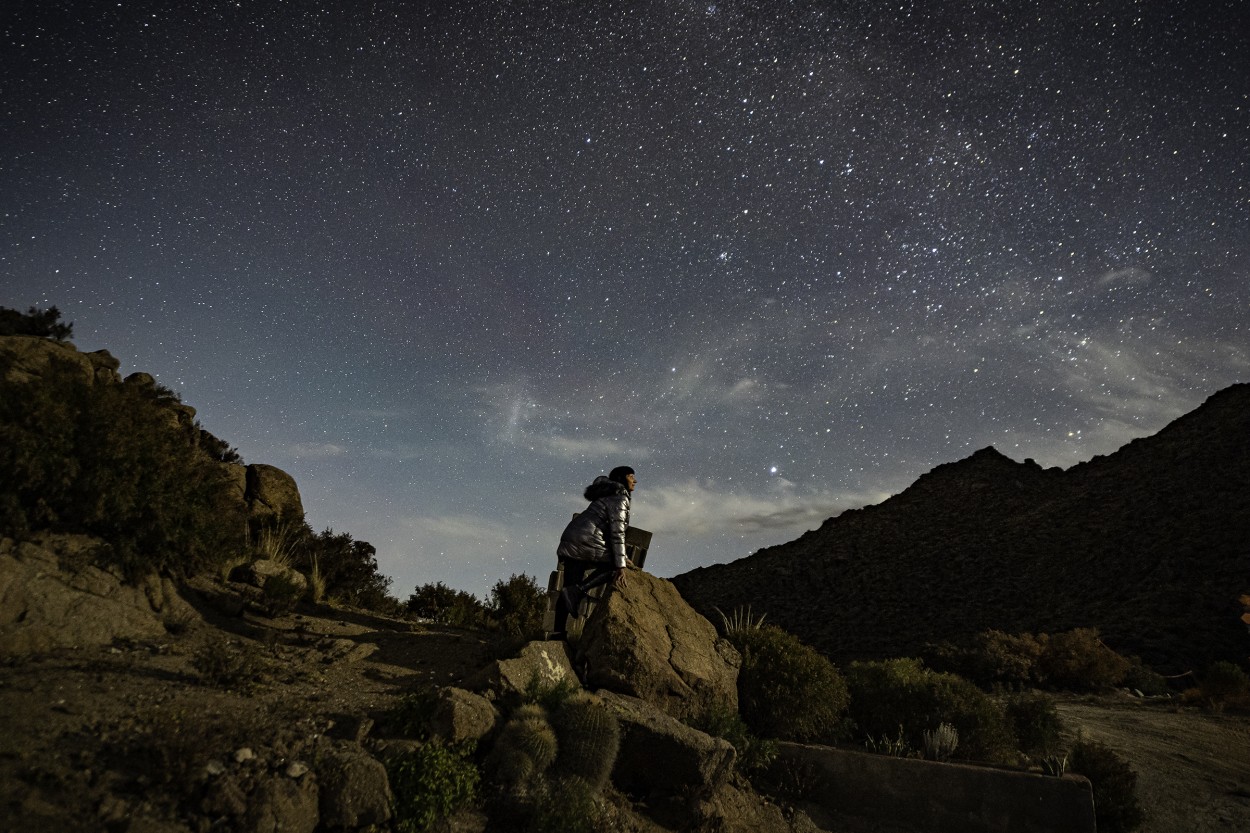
column 1150, row 544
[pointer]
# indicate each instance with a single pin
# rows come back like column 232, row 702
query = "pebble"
column 214, row 767
column 244, row 754
column 296, row 769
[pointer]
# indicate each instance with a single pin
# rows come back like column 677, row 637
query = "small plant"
column 316, row 581
column 940, row 743
column 410, row 717
column 569, row 806
column 227, row 664
column 1055, row 765
column 1116, row 809
column 740, row 621
column 550, row 694
column 897, row 747
column 754, row 753
column 431, row 783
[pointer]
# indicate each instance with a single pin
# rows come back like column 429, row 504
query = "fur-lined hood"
column 602, row 487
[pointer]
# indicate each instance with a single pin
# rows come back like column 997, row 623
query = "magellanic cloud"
column 693, row 507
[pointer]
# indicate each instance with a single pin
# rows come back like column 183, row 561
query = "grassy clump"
column 228, row 664
column 786, row 689
column 902, row 696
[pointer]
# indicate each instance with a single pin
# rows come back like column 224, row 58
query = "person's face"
column 630, row 482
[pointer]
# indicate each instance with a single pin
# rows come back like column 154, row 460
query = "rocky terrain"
column 1150, row 544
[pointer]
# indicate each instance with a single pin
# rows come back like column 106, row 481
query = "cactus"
column 589, row 737
column 525, row 749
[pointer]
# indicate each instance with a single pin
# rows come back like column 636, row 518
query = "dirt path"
column 1193, row 768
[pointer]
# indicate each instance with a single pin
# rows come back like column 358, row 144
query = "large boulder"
column 258, row 573
column 51, row 597
column 461, row 716
column 272, row 492
column 661, row 758
column 645, row 641
column 355, row 791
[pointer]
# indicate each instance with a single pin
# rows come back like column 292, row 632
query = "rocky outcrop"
column 644, row 641
column 31, row 357
column 988, row 542
column 355, row 792
column 258, row 573
column 51, row 597
column 271, row 492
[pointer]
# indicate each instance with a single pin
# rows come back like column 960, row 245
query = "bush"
column 1141, row 677
column 431, row 783
column 1225, row 684
column 1035, row 723
column 34, row 322
column 994, row 658
column 1116, row 809
column 1079, row 661
column 517, row 606
column 903, row 693
column 281, row 594
column 115, row 462
column 786, row 689
column 443, row 604
column 410, row 717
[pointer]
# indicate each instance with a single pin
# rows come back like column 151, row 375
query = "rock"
column 659, row 755
column 272, row 492
column 645, row 641
column 354, row 790
column 51, row 598
column 547, row 662
column 462, row 715
column 281, row 805
column 224, row 797
column 258, row 573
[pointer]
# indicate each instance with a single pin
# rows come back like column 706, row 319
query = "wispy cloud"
column 316, row 451
column 695, row 508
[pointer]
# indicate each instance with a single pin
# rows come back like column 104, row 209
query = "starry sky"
column 445, row 262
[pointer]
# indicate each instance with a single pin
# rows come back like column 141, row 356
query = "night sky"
column 446, row 262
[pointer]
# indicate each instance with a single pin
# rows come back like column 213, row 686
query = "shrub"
column 785, row 688
column 431, row 783
column 115, row 462
column 1079, row 661
column 35, row 322
column 1035, row 723
column 941, row 743
column 1225, row 684
column 517, row 605
column 443, row 604
column 1141, row 677
column 902, row 694
column 550, row 695
column 996, row 658
column 1116, row 809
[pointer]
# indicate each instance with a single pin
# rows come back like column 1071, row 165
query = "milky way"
column 446, row 262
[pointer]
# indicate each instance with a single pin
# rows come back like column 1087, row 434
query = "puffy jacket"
column 598, row 533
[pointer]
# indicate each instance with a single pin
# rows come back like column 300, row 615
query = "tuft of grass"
column 740, row 621
column 941, row 743
column 316, row 582
column 230, row 665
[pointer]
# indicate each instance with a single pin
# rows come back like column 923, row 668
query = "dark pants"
column 575, row 576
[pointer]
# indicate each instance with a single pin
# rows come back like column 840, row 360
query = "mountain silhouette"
column 1151, row 545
